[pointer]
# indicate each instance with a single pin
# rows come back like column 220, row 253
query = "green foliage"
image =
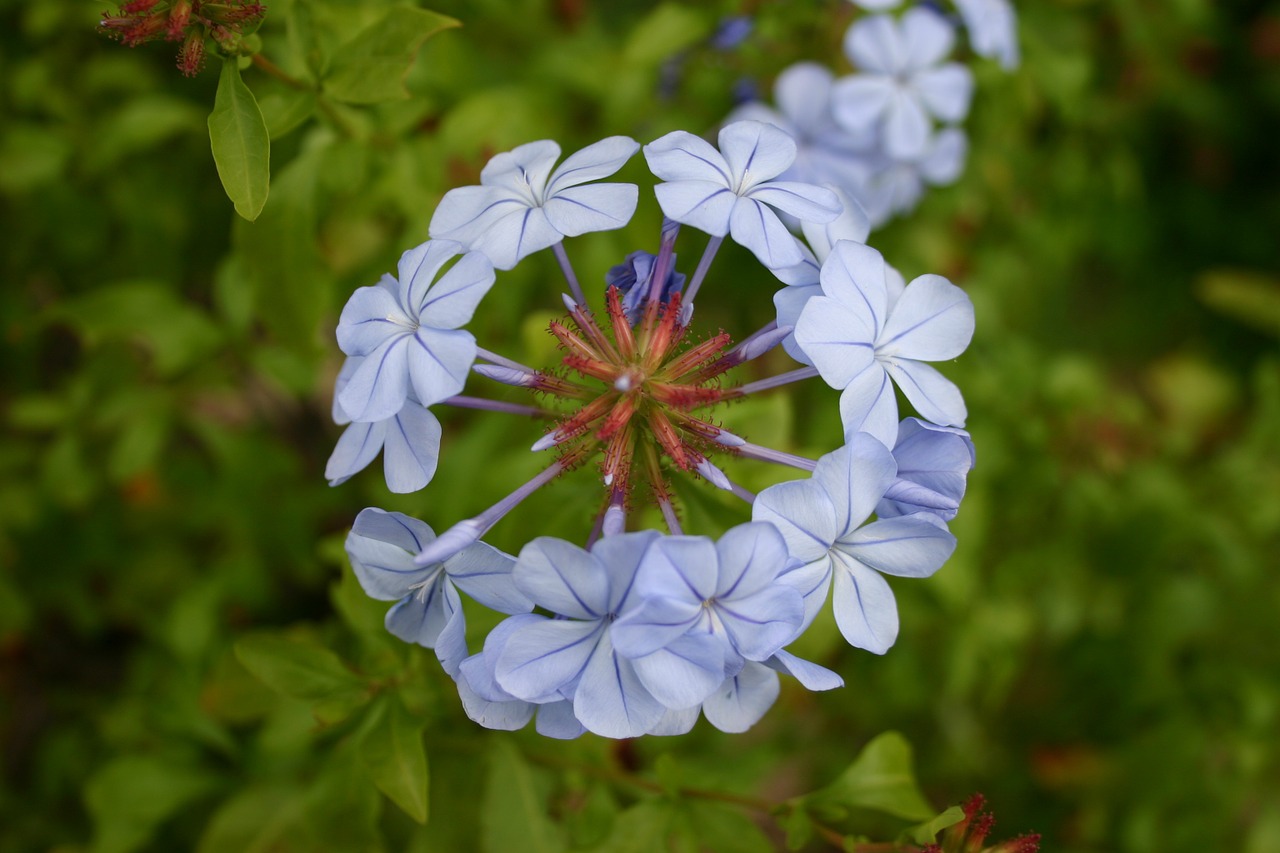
column 372, row 66
column 241, row 145
column 880, row 778
column 186, row 662
column 392, row 751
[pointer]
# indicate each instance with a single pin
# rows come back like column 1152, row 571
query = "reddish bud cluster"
column 188, row 21
column 970, row 834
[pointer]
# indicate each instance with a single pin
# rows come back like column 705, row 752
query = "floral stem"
column 703, row 265
column 504, row 361
column 569, row 275
column 772, row 382
column 464, row 402
column 269, row 67
column 767, row 454
column 469, row 531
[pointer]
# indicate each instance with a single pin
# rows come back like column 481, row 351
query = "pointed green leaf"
column 257, row 820
column 241, row 146
column 880, row 779
column 285, row 110
column 298, row 669
column 644, row 828
column 392, row 751
column 926, row 832
column 372, row 66
column 514, row 814
column 129, row 797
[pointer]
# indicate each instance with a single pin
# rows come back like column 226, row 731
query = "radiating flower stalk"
column 632, row 631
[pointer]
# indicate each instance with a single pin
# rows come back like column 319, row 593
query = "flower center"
column 637, row 391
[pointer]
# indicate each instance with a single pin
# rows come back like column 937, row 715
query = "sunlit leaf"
column 132, row 795
column 394, row 756
column 241, row 146
column 298, row 669
column 880, row 779
column 514, row 813
column 371, row 67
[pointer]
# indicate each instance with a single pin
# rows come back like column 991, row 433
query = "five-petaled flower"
column 901, row 83
column 428, row 609
column 822, row 520
column 732, row 191
column 863, row 332
column 407, row 331
column 522, row 206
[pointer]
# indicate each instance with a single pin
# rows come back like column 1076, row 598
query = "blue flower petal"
column 356, row 448
column 740, row 702
column 412, row 440
column 610, row 699
column 542, row 657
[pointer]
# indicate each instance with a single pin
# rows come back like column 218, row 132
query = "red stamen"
column 591, row 367
column 587, row 325
column 617, row 418
column 581, row 420
column 695, row 357
column 669, row 440
column 665, row 336
column 574, row 344
column 621, row 328
column 684, row 397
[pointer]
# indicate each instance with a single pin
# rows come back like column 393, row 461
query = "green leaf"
column 716, row 826
column 258, row 820
column 926, row 832
column 667, row 29
column 643, row 828
column 371, row 68
column 241, row 146
column 880, row 779
column 393, row 753
column 285, row 110
column 298, row 669
column 1250, row 297
column 514, row 814
column 131, row 796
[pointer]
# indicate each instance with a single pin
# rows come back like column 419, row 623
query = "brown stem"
column 279, row 73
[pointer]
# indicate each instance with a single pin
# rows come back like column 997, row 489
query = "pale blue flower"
column 408, row 440
column 803, row 279
column 993, row 29
column 863, row 337
column 546, row 660
column 706, row 608
column 933, row 467
column 731, row 191
column 407, row 331
column 826, row 153
column 522, row 205
column 894, row 187
column 488, row 704
column 900, row 83
column 822, row 520
column 876, row 5
column 381, row 547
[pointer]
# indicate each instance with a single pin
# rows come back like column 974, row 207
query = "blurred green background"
column 1100, row 657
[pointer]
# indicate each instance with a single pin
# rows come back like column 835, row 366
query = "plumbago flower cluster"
column 634, row 631
column 888, row 130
